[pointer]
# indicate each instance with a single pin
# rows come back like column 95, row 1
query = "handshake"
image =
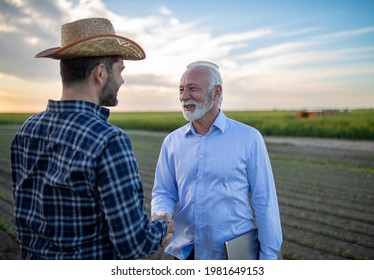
column 170, row 225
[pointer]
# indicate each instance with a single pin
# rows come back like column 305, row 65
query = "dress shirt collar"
column 77, row 106
column 219, row 123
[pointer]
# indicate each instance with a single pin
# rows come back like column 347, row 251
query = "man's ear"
column 217, row 92
column 100, row 74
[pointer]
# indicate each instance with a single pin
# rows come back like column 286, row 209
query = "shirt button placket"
column 198, row 196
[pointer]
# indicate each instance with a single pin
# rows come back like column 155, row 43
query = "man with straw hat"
column 77, row 191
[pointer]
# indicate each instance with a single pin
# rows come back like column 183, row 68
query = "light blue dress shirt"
column 214, row 179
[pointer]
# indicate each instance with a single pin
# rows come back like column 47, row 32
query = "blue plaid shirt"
column 77, row 191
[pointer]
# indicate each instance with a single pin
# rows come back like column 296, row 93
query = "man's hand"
column 170, row 227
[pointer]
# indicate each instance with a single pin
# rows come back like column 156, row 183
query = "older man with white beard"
column 217, row 172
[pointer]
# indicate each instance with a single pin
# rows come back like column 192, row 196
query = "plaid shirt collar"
column 78, row 106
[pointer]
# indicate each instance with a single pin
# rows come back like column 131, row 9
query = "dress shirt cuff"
column 264, row 256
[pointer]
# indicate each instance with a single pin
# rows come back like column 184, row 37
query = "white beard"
column 200, row 108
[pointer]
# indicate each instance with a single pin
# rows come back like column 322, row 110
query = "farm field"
column 354, row 125
column 325, row 192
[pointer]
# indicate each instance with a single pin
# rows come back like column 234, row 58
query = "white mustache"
column 189, row 102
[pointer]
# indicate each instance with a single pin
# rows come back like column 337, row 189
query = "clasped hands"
column 170, row 227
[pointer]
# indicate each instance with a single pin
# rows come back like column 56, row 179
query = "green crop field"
column 357, row 124
column 325, row 195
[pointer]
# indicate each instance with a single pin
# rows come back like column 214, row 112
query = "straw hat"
column 93, row 37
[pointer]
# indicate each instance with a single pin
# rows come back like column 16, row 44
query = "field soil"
column 325, row 191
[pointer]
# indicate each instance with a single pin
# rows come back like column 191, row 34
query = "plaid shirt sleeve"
column 122, row 201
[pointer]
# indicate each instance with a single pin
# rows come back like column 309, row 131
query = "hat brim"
column 100, row 45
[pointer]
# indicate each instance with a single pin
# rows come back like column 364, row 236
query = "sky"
column 273, row 55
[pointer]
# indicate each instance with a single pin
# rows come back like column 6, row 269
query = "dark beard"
column 108, row 95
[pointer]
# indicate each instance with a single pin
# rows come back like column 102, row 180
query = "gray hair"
column 214, row 74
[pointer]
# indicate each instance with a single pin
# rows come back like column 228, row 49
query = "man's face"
column 195, row 93
column 108, row 95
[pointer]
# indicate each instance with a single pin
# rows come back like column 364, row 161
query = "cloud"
column 347, row 33
column 305, row 67
column 260, row 64
column 165, row 11
column 24, row 29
